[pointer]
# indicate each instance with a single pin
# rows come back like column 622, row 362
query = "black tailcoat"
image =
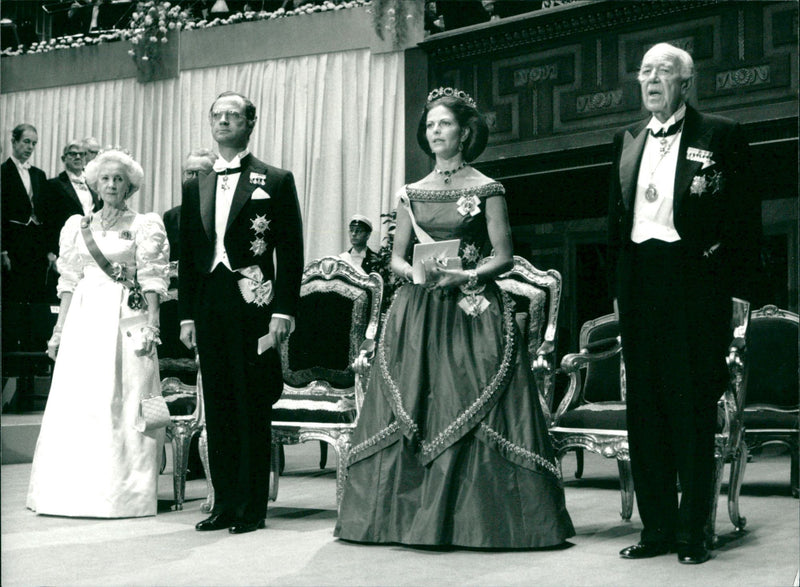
column 675, row 311
column 264, row 229
column 59, row 202
column 27, row 244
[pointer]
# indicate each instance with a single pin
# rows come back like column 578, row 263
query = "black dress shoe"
column 645, row 550
column 693, row 554
column 215, row 522
column 241, row 527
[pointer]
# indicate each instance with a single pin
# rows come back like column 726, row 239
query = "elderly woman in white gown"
column 91, row 460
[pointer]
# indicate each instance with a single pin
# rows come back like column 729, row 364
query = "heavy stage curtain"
column 335, row 120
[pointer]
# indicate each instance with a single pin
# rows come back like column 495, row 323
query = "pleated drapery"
column 335, row 120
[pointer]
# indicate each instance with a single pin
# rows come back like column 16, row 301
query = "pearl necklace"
column 449, row 173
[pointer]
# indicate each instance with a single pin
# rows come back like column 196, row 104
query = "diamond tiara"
column 451, row 93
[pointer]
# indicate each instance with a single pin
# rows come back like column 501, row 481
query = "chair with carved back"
column 592, row 414
column 336, row 321
column 181, row 386
column 537, row 295
column 771, row 407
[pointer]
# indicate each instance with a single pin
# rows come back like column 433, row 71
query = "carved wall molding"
column 559, row 76
column 584, row 17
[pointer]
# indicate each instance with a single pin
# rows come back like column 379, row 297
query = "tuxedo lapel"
column 207, row 187
column 17, row 185
column 70, row 189
column 695, row 136
column 244, row 189
column 632, row 147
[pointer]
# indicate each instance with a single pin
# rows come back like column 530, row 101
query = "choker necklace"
column 108, row 225
column 449, row 173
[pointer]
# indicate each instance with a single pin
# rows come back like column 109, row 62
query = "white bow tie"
column 25, row 165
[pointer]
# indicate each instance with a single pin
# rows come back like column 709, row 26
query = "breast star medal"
column 260, row 224
column 258, row 246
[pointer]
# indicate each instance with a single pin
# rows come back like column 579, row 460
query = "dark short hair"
column 249, row 107
column 467, row 116
column 16, row 134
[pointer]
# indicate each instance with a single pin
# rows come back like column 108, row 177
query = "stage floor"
column 298, row 547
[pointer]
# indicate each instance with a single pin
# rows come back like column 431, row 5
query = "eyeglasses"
column 93, row 151
column 231, row 115
column 189, row 173
column 75, row 154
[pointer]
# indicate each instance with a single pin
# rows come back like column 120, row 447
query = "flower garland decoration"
column 172, row 14
column 149, row 27
column 395, row 17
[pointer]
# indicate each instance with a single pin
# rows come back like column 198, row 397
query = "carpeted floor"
column 298, row 547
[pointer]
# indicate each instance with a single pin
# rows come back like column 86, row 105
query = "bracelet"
column 151, row 334
column 472, row 281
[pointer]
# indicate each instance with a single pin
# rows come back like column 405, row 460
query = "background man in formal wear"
column 234, row 222
column 24, row 246
column 92, row 147
column 67, row 194
column 359, row 255
column 684, row 229
column 198, row 161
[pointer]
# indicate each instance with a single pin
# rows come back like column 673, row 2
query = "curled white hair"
column 133, row 170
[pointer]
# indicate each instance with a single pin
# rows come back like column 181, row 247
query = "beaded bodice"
column 456, row 213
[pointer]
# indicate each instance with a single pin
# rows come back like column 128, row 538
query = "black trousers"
column 237, row 404
column 670, row 410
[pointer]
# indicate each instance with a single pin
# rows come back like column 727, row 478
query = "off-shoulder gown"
column 451, row 447
column 89, row 459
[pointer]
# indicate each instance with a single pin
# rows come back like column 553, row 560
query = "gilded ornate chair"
column 537, row 295
column 592, row 414
column 337, row 321
column 185, row 403
column 181, row 386
column 771, row 407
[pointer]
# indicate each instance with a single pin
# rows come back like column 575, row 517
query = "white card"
column 265, row 342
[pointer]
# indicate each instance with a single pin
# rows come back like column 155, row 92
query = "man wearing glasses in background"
column 92, row 147
column 198, row 162
column 67, row 194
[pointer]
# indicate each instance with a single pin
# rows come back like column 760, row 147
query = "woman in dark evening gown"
column 451, row 448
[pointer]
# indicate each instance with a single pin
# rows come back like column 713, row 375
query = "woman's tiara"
column 451, row 93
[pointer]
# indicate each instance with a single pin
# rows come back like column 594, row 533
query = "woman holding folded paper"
column 93, row 457
column 451, row 447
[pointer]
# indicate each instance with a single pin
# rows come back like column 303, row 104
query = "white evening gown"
column 89, row 460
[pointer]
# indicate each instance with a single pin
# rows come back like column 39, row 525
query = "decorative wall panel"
column 563, row 79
